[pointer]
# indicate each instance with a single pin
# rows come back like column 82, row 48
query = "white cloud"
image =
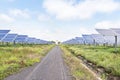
column 85, row 30
column 107, row 24
column 43, row 17
column 5, row 18
column 69, row 9
column 57, row 34
column 63, row 35
column 19, row 13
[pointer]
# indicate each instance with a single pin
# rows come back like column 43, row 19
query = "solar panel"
column 10, row 38
column 80, row 40
column 72, row 41
column 43, row 41
column 99, row 39
column 110, row 32
column 3, row 33
column 117, row 30
column 30, row 40
column 38, row 41
column 110, row 40
column 88, row 39
column 107, row 32
column 77, row 40
column 21, row 38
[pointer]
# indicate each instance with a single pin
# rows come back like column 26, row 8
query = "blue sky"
column 58, row 19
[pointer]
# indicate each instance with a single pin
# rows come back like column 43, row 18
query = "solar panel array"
column 80, row 40
column 88, row 39
column 21, row 39
column 106, row 36
column 107, row 32
column 98, row 39
column 3, row 33
column 5, row 36
column 10, row 38
column 77, row 40
column 117, row 30
column 31, row 40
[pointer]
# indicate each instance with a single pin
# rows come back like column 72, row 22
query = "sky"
column 58, row 19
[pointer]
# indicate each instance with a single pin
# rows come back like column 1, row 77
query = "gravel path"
column 50, row 68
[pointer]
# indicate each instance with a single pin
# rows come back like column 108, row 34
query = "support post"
column 115, row 43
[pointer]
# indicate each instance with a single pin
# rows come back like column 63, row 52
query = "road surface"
column 52, row 67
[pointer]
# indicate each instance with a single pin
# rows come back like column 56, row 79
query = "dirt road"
column 50, row 68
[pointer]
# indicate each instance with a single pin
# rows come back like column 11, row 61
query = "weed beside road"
column 76, row 68
column 101, row 56
column 13, row 58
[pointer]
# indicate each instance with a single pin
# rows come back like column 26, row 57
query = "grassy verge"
column 99, row 55
column 13, row 58
column 76, row 68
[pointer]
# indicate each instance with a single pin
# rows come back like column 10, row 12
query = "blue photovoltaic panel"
column 99, row 39
column 74, row 41
column 88, row 39
column 10, row 38
column 11, row 35
column 117, row 30
column 37, row 41
column 110, row 35
column 21, row 38
column 31, row 40
column 80, row 40
column 3, row 33
column 41, row 41
column 107, row 32
column 45, row 42
column 71, row 41
column 109, row 40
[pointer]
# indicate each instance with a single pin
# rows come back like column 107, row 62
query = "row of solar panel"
column 106, row 36
column 6, row 37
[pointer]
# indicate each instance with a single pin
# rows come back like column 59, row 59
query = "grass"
column 13, row 58
column 76, row 68
column 99, row 55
